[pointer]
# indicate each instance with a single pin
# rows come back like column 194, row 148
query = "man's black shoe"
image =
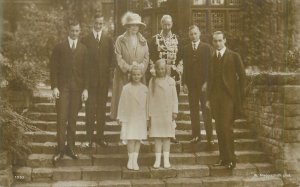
column 231, row 165
column 220, row 163
column 102, row 143
column 72, row 154
column 195, row 140
column 57, row 157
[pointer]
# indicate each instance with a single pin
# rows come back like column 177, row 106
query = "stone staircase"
column 191, row 164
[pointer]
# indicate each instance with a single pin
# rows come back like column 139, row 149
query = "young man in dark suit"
column 100, row 53
column 196, row 60
column 225, row 92
column 69, row 82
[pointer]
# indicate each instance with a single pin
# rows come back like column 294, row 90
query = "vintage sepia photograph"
column 149, row 93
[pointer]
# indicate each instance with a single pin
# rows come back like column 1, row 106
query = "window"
column 200, row 19
column 235, row 22
column 217, row 2
column 217, row 20
column 213, row 15
column 234, row 2
column 199, row 2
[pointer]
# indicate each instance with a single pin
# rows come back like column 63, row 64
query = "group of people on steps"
column 146, row 85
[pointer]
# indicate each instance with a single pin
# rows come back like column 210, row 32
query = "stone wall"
column 6, row 176
column 273, row 108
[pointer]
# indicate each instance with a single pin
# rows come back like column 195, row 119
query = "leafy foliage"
column 12, row 126
column 20, row 74
column 267, row 34
column 29, row 46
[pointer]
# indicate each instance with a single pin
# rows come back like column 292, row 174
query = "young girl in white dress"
column 162, row 111
column 132, row 115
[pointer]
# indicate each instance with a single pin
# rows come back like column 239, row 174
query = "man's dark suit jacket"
column 100, row 56
column 68, row 68
column 233, row 76
column 195, row 69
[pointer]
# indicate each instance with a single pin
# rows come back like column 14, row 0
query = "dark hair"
column 194, row 27
column 219, row 32
column 98, row 15
column 73, row 23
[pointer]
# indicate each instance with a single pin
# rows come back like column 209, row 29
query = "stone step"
column 114, row 136
column 50, row 107
column 186, row 124
column 114, row 126
column 97, row 173
column 51, row 116
column 146, row 147
column 45, row 96
column 145, row 159
column 228, row 181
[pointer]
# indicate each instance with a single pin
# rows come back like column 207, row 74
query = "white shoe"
column 157, row 160
column 167, row 160
column 134, row 161
column 129, row 164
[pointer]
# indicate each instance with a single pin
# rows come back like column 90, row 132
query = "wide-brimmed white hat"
column 131, row 18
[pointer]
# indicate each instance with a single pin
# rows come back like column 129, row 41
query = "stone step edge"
column 197, row 170
column 145, row 143
column 273, row 181
column 146, row 147
column 186, row 122
column 145, row 155
column 177, row 132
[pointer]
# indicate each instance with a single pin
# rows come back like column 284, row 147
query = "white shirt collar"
column 71, row 41
column 222, row 51
column 97, row 33
column 197, row 44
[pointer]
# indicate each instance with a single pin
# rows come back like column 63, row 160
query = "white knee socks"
column 157, row 160
column 130, row 159
column 134, row 161
column 133, row 157
column 166, row 160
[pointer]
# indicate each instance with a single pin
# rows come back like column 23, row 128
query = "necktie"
column 194, row 46
column 73, row 46
column 97, row 37
column 219, row 55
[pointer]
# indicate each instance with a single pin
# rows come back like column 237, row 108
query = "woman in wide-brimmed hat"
column 130, row 48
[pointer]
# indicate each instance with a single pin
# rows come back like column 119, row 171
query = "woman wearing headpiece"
column 131, row 48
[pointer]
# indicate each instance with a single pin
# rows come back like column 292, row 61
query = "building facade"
column 209, row 15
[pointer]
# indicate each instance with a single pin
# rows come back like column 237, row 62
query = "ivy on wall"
column 268, row 29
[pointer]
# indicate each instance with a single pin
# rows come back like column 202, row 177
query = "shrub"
column 20, row 74
column 268, row 31
column 12, row 128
